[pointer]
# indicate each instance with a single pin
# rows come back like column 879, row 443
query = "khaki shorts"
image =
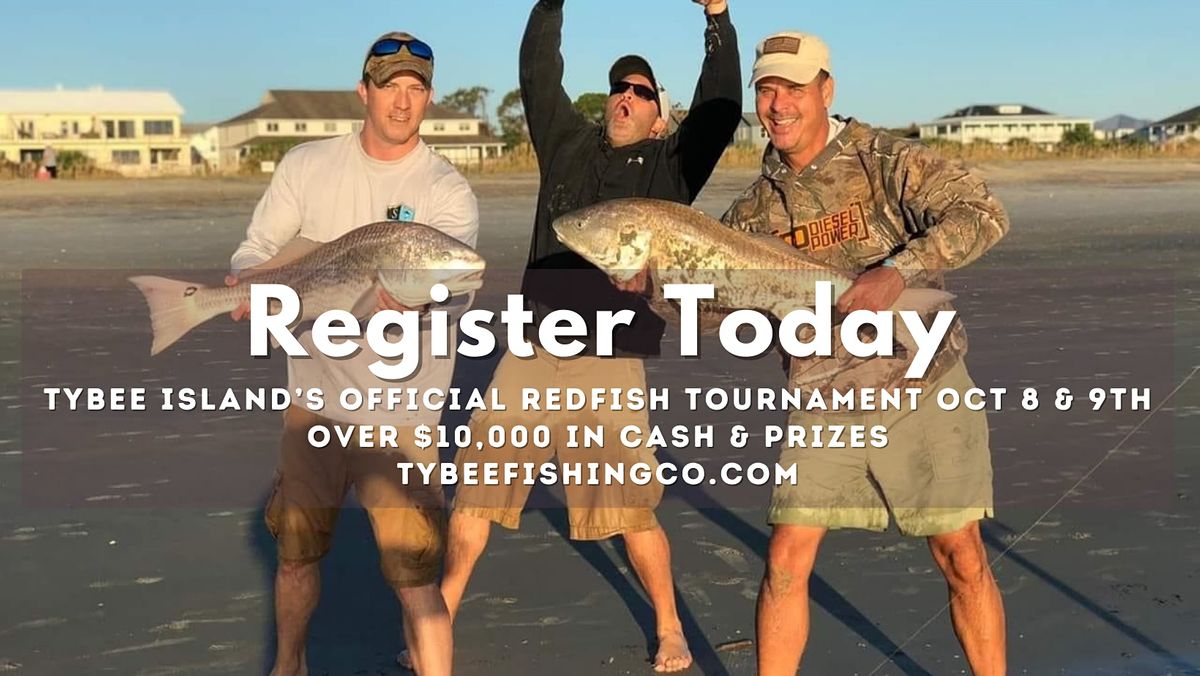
column 594, row 512
column 311, row 483
column 934, row 476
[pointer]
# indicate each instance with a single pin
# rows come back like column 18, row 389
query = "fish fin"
column 173, row 309
column 921, row 300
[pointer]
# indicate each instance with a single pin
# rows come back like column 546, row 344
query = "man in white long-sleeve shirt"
column 320, row 191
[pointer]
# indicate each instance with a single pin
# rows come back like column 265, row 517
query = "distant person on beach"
column 898, row 216
column 50, row 161
column 320, row 191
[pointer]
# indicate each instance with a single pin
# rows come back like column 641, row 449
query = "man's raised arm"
column 548, row 110
column 717, row 104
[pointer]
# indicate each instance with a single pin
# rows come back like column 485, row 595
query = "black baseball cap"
column 631, row 64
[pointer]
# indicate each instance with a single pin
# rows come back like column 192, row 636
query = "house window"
column 126, row 129
column 164, row 155
column 127, row 157
column 272, row 126
column 942, row 129
column 301, row 126
column 158, row 127
column 464, row 126
column 331, row 127
column 75, row 127
column 439, row 126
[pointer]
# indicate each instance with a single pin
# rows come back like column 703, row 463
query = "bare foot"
column 302, row 670
column 673, row 653
column 404, row 660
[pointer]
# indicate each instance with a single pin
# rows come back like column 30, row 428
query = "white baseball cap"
column 796, row 57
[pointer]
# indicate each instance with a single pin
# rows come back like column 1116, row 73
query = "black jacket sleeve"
column 716, row 108
column 548, row 110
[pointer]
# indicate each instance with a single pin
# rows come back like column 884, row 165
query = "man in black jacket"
column 583, row 163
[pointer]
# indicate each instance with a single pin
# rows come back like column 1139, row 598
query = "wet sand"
column 133, row 544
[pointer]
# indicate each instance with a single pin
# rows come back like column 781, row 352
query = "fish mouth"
column 560, row 228
column 558, row 232
column 468, row 281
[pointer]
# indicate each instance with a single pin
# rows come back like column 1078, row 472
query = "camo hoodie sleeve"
column 950, row 215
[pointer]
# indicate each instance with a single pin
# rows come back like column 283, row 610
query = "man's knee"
column 790, row 557
column 961, row 556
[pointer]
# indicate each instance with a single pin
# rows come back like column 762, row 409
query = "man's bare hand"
column 240, row 312
column 639, row 283
column 874, row 290
column 713, row 6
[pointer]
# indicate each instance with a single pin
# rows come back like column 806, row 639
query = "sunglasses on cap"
column 390, row 46
column 641, row 91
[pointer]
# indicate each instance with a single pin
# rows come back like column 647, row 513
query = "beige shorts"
column 595, row 512
column 934, row 475
column 311, row 484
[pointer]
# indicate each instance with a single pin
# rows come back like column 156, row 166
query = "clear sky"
column 895, row 62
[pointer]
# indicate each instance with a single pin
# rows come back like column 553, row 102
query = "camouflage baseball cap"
column 394, row 53
column 796, row 57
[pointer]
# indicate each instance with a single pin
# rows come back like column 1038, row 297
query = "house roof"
column 95, row 101
column 293, row 140
column 309, row 104
column 192, row 128
column 434, row 141
column 1120, row 122
column 995, row 110
column 1190, row 115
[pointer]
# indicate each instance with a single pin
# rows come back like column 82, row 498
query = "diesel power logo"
column 847, row 225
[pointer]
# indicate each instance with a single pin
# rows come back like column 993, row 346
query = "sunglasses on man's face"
column 390, row 46
column 641, row 91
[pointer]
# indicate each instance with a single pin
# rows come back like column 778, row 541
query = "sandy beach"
column 133, row 543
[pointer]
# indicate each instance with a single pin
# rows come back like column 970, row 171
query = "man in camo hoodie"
column 896, row 215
